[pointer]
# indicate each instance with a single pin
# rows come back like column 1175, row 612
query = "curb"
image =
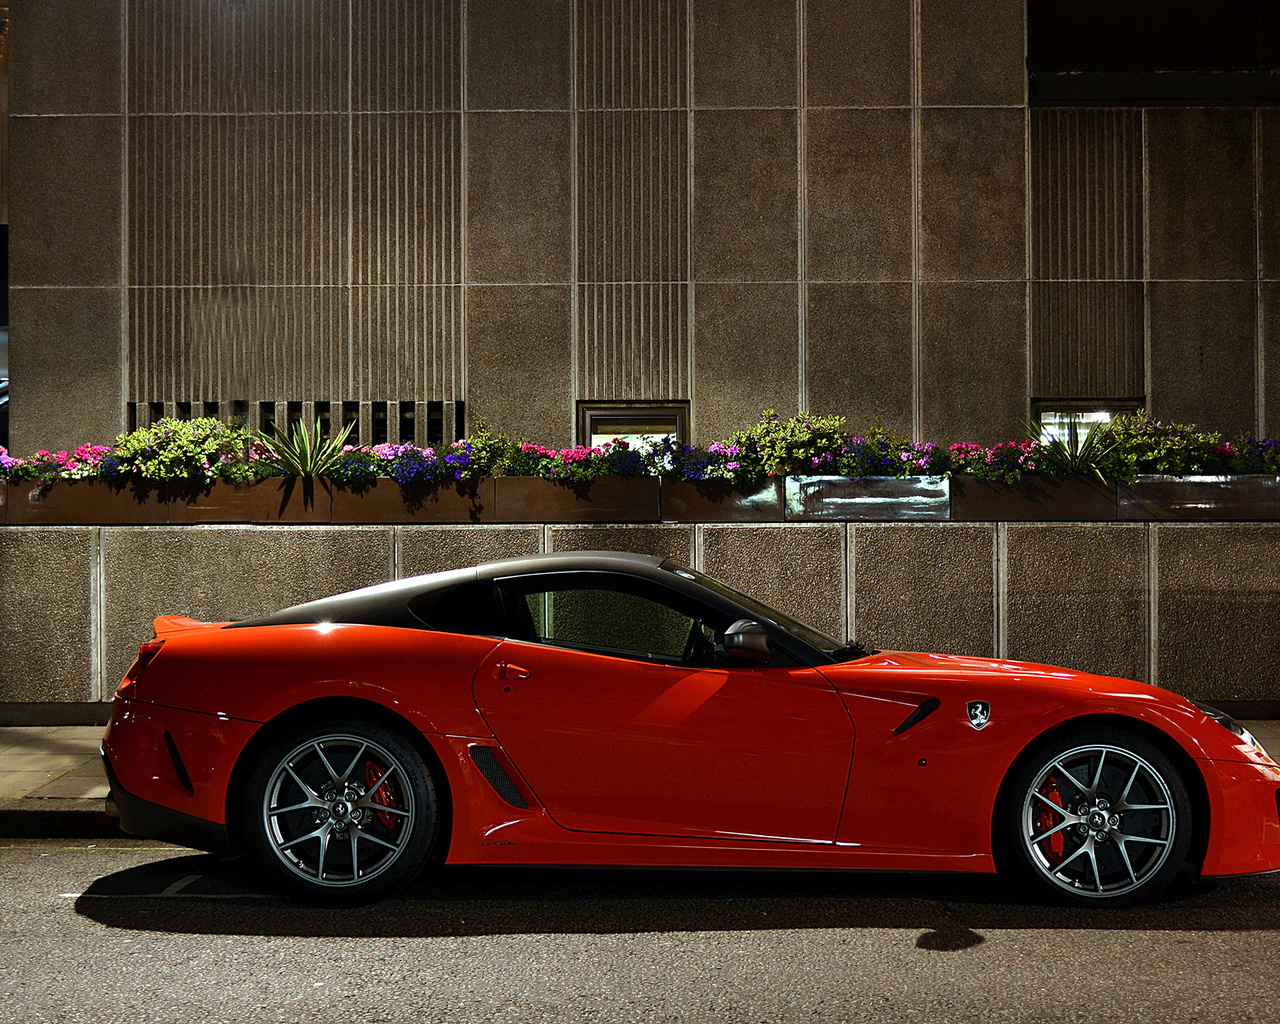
column 51, row 818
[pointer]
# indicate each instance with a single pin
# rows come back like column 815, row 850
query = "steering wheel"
column 697, row 645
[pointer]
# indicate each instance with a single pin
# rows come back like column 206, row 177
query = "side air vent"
column 487, row 762
column 918, row 715
column 179, row 769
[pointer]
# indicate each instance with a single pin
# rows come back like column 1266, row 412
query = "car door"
column 614, row 707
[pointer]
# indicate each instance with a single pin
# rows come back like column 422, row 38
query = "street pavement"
column 116, row 929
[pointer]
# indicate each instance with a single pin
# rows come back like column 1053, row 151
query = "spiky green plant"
column 1075, row 455
column 304, row 453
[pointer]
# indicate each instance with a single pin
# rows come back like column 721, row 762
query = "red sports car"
column 618, row 709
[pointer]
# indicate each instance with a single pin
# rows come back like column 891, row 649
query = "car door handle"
column 505, row 670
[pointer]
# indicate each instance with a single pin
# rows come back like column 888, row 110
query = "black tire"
column 1098, row 817
column 340, row 812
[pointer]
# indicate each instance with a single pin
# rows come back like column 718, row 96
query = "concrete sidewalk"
column 52, row 783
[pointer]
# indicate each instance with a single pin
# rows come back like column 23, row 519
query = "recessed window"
column 1056, row 420
column 633, row 422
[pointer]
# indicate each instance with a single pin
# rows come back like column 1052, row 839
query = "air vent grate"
column 492, row 770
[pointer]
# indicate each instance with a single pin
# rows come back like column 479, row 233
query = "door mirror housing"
column 746, row 640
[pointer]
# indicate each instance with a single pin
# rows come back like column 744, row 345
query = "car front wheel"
column 340, row 813
column 1100, row 817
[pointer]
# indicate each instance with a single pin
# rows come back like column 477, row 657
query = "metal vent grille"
column 487, row 762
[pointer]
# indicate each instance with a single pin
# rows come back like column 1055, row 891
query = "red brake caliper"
column 1046, row 819
column 383, row 795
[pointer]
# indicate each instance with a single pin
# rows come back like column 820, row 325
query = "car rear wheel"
column 1100, row 817
column 340, row 813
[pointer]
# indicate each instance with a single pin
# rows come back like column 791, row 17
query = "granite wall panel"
column 69, row 60
column 519, row 360
column 1219, row 601
column 923, row 588
column 438, row 548
column 519, row 197
column 216, row 573
column 46, row 614
column 675, row 542
column 859, row 195
column 973, row 361
column 859, row 353
column 1200, row 192
column 1077, row 596
column 858, row 54
column 799, row 570
column 744, row 55
column 747, row 355
column 1203, row 361
column 971, row 52
column 973, row 194
column 519, row 56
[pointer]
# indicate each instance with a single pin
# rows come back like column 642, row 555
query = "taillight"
column 146, row 654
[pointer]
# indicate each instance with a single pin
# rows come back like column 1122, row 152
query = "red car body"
column 623, row 761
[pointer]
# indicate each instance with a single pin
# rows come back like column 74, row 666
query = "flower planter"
column 715, row 501
column 4, row 502
column 1219, row 498
column 1032, row 499
column 75, row 502
column 531, row 499
column 841, row 499
column 385, row 501
column 290, row 500
column 219, row 503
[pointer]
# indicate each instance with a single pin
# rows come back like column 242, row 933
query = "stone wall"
column 1192, row 607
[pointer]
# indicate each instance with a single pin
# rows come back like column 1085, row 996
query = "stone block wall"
column 1191, row 607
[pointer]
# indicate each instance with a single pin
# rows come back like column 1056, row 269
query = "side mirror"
column 747, row 641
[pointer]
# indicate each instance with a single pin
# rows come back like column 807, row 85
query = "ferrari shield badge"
column 979, row 713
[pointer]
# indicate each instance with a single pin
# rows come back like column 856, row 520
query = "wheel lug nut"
column 1114, row 820
column 1082, row 829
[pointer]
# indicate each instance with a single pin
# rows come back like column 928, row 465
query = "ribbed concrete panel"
column 406, row 342
column 406, row 55
column 633, row 200
column 1086, row 231
column 216, row 56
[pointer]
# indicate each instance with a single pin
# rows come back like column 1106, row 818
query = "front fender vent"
column 918, row 715
column 487, row 761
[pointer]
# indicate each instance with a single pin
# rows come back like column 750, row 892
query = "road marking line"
column 178, row 886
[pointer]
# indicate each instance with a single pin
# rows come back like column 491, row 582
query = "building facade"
column 420, row 215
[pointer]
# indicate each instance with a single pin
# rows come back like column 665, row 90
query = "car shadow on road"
column 204, row 895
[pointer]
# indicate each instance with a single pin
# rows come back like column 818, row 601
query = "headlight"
column 1227, row 722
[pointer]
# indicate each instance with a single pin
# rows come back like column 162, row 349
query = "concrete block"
column 967, row 332
column 438, row 548
column 859, row 195
column 65, row 220
column 923, row 588
column 1270, row 343
column 64, row 361
column 519, row 188
column 675, row 542
column 744, row 55
column 744, row 195
column 1077, row 597
column 799, row 570
column 65, row 57
column 859, row 353
column 973, row 194
column 747, row 355
column 1269, row 193
column 47, row 636
column 859, row 55
column 216, row 573
column 1203, row 368
column 1201, row 189
column 1219, row 601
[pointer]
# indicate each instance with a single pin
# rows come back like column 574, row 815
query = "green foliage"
column 1140, row 444
column 777, row 446
column 1074, row 455
column 204, row 450
column 304, row 453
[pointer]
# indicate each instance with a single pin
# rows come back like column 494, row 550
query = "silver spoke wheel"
column 1099, row 821
column 339, row 810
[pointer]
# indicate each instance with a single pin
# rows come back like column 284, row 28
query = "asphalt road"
column 122, row 930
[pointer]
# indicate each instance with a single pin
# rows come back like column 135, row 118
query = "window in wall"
column 633, row 422
column 1056, row 419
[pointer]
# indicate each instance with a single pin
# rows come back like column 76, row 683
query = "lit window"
column 633, row 422
column 1056, row 421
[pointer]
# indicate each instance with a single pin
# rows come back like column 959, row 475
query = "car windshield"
column 827, row 645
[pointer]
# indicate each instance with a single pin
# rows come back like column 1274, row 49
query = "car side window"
column 620, row 618
column 471, row 608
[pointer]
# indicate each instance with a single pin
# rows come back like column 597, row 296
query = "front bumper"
column 143, row 818
column 1244, row 830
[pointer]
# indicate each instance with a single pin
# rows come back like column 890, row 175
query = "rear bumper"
column 143, row 818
